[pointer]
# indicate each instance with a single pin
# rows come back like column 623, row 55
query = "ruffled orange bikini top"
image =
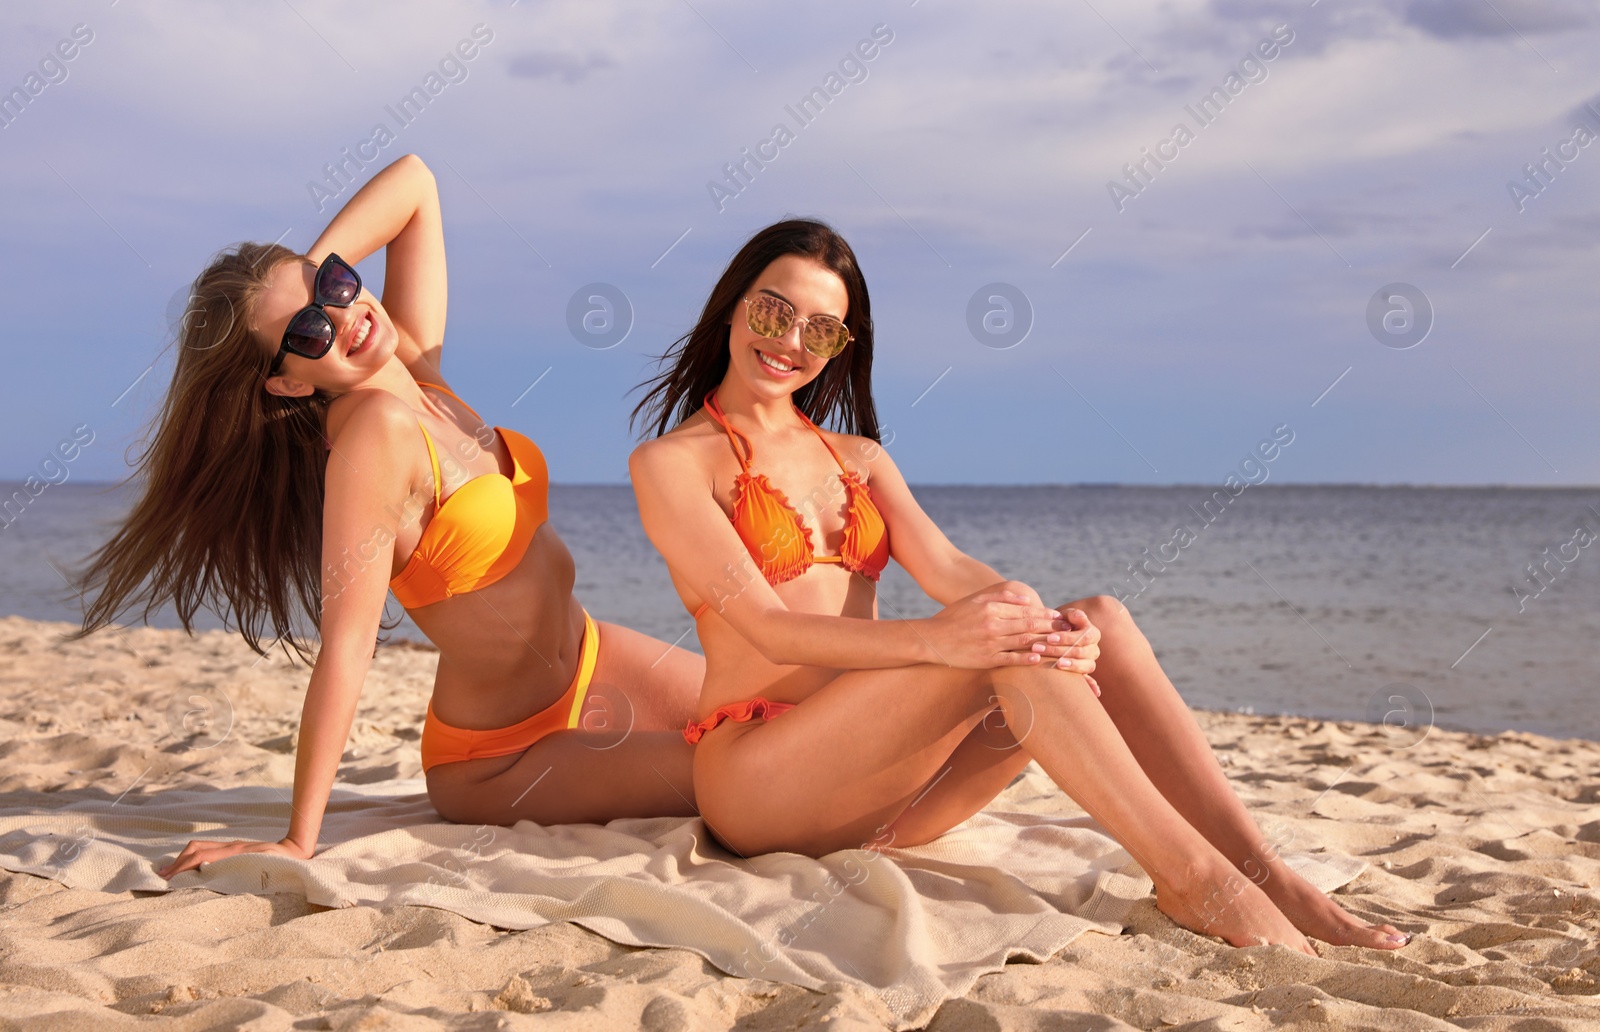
column 776, row 535
column 480, row 533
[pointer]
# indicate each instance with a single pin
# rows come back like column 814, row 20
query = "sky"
column 1346, row 243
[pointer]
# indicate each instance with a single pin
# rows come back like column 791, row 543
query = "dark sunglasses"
column 822, row 335
column 310, row 332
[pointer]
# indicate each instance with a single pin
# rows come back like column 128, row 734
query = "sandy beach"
column 1486, row 848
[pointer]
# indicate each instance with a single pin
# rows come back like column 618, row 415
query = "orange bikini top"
column 478, row 534
column 776, row 535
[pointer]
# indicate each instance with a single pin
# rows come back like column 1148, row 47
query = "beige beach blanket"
column 913, row 927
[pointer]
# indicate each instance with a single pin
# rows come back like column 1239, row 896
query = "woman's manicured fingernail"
column 1402, row 939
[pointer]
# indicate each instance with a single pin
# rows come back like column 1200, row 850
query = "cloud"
column 540, row 64
column 978, row 149
column 1451, row 19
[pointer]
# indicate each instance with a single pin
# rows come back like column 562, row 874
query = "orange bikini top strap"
column 453, row 394
column 433, row 457
column 735, row 438
column 815, row 429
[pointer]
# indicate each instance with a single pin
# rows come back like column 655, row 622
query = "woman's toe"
column 1383, row 937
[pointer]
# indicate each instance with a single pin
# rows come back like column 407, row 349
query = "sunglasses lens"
column 337, row 285
column 769, row 316
column 825, row 336
column 310, row 334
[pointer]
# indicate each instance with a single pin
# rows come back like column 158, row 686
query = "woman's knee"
column 1102, row 610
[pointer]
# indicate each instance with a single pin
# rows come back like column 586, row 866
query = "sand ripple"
column 1488, row 848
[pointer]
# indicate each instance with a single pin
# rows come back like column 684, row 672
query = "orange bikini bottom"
column 442, row 743
column 766, row 709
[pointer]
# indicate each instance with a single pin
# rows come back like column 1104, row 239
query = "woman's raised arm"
column 398, row 209
column 987, row 629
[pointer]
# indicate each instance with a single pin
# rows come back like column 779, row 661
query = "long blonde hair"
column 229, row 517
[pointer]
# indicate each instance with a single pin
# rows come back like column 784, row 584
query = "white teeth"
column 361, row 335
column 773, row 363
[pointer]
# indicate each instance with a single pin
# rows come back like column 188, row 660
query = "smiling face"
column 774, row 367
column 364, row 336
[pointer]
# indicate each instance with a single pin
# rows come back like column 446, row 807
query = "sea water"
column 1479, row 606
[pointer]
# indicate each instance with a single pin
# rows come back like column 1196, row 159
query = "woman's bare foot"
column 1225, row 903
column 1319, row 916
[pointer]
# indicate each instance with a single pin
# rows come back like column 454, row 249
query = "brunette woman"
column 821, row 727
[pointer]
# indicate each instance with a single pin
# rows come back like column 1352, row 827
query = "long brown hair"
column 697, row 361
column 230, row 512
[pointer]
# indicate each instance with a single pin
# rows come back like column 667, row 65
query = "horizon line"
column 8, row 484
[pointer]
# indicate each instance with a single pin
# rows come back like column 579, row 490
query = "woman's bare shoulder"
column 367, row 416
column 688, row 443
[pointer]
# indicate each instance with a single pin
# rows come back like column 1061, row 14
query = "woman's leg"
column 642, row 682
column 1164, row 737
column 981, row 766
column 626, row 757
column 860, row 762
